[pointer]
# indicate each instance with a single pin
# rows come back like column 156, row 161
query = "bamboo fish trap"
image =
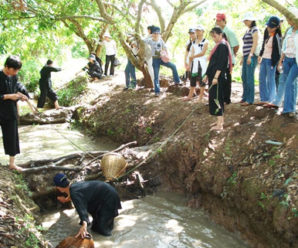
column 113, row 165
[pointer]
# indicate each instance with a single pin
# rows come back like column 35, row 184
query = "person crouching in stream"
column 219, row 59
column 10, row 92
column 98, row 198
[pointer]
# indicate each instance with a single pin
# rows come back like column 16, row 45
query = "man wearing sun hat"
column 221, row 21
column 97, row 198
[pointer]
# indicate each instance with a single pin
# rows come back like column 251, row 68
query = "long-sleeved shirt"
column 45, row 73
column 111, row 48
column 91, row 196
column 219, row 61
column 9, row 85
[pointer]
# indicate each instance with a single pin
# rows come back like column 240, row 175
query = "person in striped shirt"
column 249, row 60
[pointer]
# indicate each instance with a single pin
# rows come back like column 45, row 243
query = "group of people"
column 277, row 55
column 274, row 52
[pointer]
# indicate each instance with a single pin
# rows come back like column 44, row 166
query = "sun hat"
column 249, row 16
column 60, row 180
column 107, row 35
column 191, row 30
column 200, row 27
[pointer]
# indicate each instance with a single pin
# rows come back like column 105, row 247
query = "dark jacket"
column 94, row 67
column 45, row 73
column 9, row 85
column 219, row 61
column 276, row 47
column 92, row 196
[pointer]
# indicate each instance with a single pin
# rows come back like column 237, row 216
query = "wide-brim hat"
column 107, row 35
column 249, row 16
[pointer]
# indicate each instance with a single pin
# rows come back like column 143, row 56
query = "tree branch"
column 282, row 10
column 103, row 12
column 194, row 6
column 140, row 10
column 171, row 4
column 157, row 9
column 80, row 17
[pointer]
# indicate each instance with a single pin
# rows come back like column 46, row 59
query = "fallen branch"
column 32, row 163
column 116, row 150
column 52, row 167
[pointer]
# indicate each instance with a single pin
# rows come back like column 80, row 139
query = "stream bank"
column 245, row 181
column 245, row 184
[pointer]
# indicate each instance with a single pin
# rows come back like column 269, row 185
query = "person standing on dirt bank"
column 111, row 50
column 221, row 21
column 10, row 92
column 219, row 60
column 45, row 85
column 98, row 198
column 158, row 47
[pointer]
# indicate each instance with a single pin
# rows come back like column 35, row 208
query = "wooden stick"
column 32, row 107
column 116, row 150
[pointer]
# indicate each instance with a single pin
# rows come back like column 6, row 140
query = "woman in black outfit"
column 220, row 58
column 10, row 92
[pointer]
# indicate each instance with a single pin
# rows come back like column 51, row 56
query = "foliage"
column 72, row 90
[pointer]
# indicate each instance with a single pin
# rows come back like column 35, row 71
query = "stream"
column 157, row 221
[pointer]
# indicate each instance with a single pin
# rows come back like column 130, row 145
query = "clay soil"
column 246, row 182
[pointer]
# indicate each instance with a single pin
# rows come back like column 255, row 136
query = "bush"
column 29, row 74
column 72, row 90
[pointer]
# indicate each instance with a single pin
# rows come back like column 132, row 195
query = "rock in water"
column 72, row 242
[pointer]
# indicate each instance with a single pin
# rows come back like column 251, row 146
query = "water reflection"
column 160, row 221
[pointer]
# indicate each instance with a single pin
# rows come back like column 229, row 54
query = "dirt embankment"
column 17, row 213
column 246, row 182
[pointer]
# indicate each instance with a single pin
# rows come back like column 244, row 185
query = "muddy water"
column 159, row 221
column 156, row 221
column 51, row 141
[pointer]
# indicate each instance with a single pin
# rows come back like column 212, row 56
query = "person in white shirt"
column 111, row 49
column 187, row 65
column 198, row 62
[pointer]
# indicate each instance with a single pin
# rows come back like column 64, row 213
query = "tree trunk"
column 139, row 61
column 147, row 78
column 283, row 10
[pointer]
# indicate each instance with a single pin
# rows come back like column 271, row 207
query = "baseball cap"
column 273, row 22
column 60, row 180
column 220, row 17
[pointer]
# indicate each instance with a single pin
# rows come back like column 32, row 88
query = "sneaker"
column 125, row 89
column 157, row 94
